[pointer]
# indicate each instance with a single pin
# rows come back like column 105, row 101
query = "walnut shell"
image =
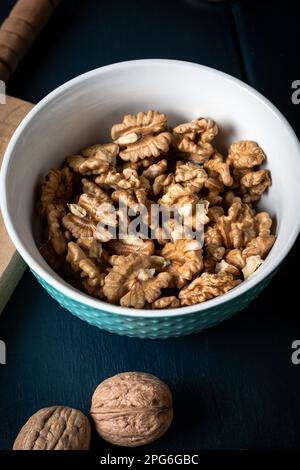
column 55, row 428
column 132, row 409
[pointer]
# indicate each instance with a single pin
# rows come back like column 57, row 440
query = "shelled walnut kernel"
column 150, row 163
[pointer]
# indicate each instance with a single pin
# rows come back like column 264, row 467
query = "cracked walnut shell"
column 132, row 409
column 55, row 428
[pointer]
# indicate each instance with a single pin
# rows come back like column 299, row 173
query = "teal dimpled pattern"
column 162, row 326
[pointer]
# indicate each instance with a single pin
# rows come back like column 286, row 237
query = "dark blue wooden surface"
column 234, row 386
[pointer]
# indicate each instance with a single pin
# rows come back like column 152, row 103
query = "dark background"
column 234, row 386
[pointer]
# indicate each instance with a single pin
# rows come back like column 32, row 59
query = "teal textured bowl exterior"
column 159, row 327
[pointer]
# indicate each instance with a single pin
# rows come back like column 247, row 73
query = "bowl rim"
column 66, row 289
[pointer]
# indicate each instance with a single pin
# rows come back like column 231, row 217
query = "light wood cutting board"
column 17, row 33
column 11, row 264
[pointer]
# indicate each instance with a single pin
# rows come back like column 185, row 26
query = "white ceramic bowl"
column 82, row 111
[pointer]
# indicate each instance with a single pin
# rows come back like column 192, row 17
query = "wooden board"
column 11, row 264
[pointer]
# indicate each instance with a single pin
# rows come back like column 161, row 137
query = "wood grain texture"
column 19, row 30
column 11, row 264
column 191, row 30
column 234, row 386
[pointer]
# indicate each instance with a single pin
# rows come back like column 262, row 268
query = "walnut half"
column 92, row 278
column 132, row 281
column 185, row 257
column 142, row 135
column 192, row 139
column 206, row 287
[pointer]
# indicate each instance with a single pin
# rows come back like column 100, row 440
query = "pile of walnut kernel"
column 148, row 162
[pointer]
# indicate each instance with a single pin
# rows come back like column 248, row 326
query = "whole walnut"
column 55, row 428
column 132, row 409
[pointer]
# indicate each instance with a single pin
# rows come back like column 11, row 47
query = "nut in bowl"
column 158, row 218
column 174, row 284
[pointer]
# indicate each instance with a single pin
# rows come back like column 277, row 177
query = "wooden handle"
column 19, row 30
